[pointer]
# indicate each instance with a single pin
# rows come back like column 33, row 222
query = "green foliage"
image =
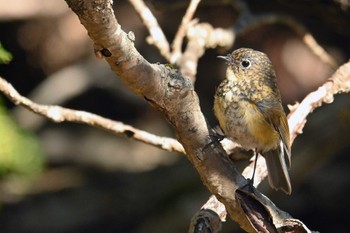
column 5, row 56
column 20, row 153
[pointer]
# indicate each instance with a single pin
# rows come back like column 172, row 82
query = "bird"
column 247, row 104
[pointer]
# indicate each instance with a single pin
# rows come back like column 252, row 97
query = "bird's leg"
column 250, row 183
column 216, row 137
column 255, row 163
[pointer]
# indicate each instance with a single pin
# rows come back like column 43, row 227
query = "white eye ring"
column 245, row 63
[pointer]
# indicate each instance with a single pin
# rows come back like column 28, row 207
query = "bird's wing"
column 275, row 116
column 283, row 130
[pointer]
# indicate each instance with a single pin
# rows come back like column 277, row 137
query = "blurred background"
column 74, row 178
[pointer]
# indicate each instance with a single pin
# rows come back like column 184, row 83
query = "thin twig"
column 157, row 36
column 338, row 83
column 245, row 24
column 304, row 34
column 59, row 114
column 181, row 32
column 200, row 37
column 249, row 21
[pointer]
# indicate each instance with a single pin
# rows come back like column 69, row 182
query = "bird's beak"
column 226, row 58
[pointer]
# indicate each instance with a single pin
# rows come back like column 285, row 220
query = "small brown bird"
column 248, row 107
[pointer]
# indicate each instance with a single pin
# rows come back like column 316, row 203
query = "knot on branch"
column 105, row 52
column 175, row 84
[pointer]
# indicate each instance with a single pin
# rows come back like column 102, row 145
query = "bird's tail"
column 278, row 170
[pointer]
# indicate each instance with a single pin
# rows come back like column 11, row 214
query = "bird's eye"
column 245, row 63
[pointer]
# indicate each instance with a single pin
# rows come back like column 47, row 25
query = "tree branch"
column 59, row 114
column 157, row 36
column 175, row 97
column 299, row 29
column 338, row 83
column 200, row 37
column 181, row 32
column 249, row 21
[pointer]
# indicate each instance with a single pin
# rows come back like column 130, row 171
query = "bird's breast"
column 242, row 121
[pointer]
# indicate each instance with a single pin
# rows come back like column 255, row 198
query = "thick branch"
column 170, row 93
column 173, row 95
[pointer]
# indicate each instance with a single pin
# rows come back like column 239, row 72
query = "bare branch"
column 200, row 37
column 169, row 92
column 173, row 95
column 248, row 21
column 338, row 83
column 301, row 31
column 60, row 114
column 181, row 32
column 157, row 36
